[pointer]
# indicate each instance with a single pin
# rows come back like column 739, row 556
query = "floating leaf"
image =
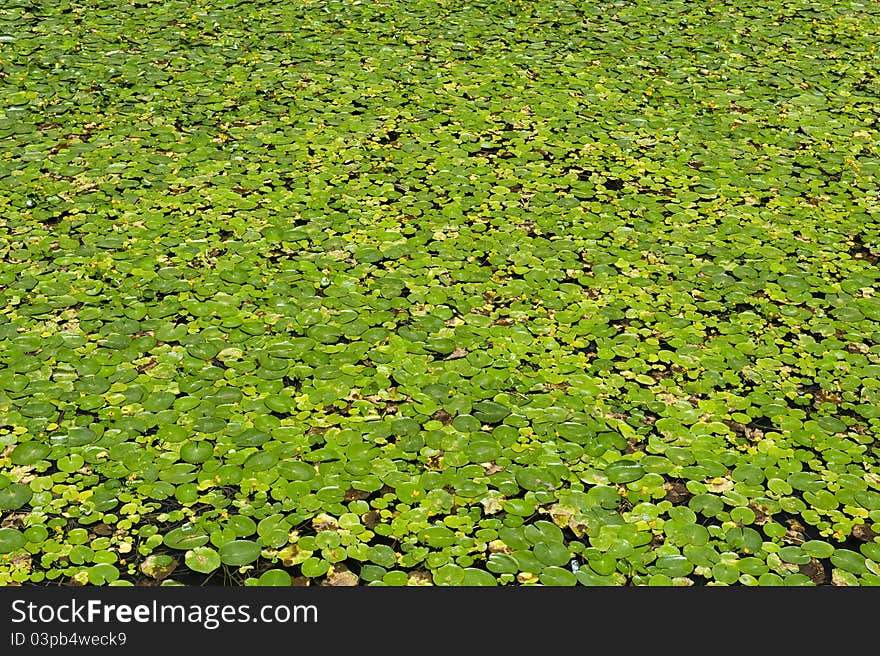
column 490, row 412
column 158, row 566
column 623, row 471
column 557, row 576
column 29, row 453
column 11, row 539
column 202, row 559
column 849, row 561
column 14, row 496
column 185, row 537
column 274, row 578
column 239, row 552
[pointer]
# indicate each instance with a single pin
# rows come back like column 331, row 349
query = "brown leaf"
column 155, row 571
column 456, row 354
column 492, row 504
column 794, row 534
column 527, row 578
column 815, row 571
column 325, row 522
column 633, row 445
column 863, row 532
column 761, row 517
column 420, row 577
column 13, row 521
column 292, row 554
column 839, row 577
column 147, row 365
column 356, row 495
column 443, row 417
column 341, row 577
column 22, row 561
column 578, row 526
column 370, row 518
column 561, row 514
column 677, row 492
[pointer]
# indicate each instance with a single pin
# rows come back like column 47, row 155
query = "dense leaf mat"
column 462, row 293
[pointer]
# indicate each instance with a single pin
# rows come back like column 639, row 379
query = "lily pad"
column 11, row 539
column 557, row 576
column 624, row 471
column 239, row 552
column 202, row 559
column 29, row 453
column 274, row 578
column 490, row 412
column 185, row 537
column 14, row 496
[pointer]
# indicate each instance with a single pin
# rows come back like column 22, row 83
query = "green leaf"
column 556, row 576
column 185, row 537
column 449, row 575
column 817, row 549
column 274, row 578
column 500, row 563
column 478, row 577
column 29, row 453
column 382, row 555
column 575, row 432
column 552, row 553
column 490, row 412
column 437, row 536
column 196, row 452
column 622, row 471
column 849, row 561
column 11, row 539
column 239, row 552
column 202, row 559
column 14, row 496
column 314, row 567
column 674, row 566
